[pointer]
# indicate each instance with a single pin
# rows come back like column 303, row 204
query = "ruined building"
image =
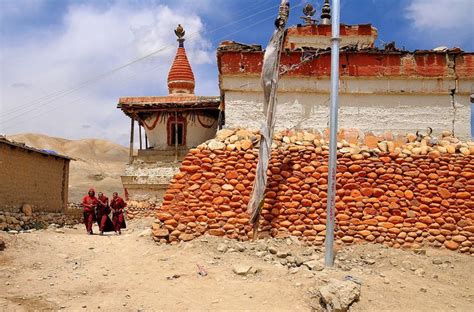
column 381, row 90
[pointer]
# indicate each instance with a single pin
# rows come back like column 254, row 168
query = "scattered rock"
column 268, row 258
column 2, row 245
column 420, row 251
column 314, row 265
column 338, row 296
column 240, row 247
column 222, row 247
column 272, row 250
column 260, row 253
column 242, row 269
column 145, row 233
column 420, row 272
column 293, row 270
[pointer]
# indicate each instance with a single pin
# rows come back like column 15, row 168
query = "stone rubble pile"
column 390, row 197
column 350, row 142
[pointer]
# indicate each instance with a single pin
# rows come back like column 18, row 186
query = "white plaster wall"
column 157, row 136
column 376, row 105
column 368, row 85
column 195, row 133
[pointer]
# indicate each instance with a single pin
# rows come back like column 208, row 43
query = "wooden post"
column 146, row 141
column 140, row 134
column 132, row 124
column 176, row 136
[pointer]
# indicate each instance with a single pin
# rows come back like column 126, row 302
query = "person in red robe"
column 89, row 203
column 118, row 204
column 103, row 210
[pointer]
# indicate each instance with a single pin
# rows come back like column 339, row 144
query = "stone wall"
column 403, row 196
column 18, row 221
column 141, row 209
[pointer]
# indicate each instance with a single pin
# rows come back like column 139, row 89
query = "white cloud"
column 91, row 41
column 443, row 22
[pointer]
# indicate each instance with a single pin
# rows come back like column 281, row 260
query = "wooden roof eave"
column 133, row 112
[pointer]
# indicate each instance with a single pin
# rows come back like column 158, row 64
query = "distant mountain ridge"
column 93, row 149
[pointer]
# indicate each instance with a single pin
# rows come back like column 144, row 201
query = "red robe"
column 103, row 210
column 89, row 203
column 117, row 205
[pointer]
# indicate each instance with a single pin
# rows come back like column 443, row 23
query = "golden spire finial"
column 179, row 31
column 308, row 12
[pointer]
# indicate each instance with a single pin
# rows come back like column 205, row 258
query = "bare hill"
column 98, row 164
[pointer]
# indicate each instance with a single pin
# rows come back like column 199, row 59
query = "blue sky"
column 49, row 47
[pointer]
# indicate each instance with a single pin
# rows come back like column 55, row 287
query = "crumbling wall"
column 400, row 195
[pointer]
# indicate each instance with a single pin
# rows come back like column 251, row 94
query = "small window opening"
column 180, row 128
column 176, row 127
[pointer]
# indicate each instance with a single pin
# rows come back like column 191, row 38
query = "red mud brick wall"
column 400, row 202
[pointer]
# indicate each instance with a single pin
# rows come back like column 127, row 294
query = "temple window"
column 173, row 126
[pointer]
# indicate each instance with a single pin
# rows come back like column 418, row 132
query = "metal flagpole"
column 331, row 199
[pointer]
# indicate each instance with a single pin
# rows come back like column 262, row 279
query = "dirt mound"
column 98, row 163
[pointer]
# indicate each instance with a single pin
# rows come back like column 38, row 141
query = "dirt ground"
column 65, row 269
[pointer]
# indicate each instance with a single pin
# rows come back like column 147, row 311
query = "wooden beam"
column 165, row 109
column 176, row 136
column 140, row 135
column 132, row 124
